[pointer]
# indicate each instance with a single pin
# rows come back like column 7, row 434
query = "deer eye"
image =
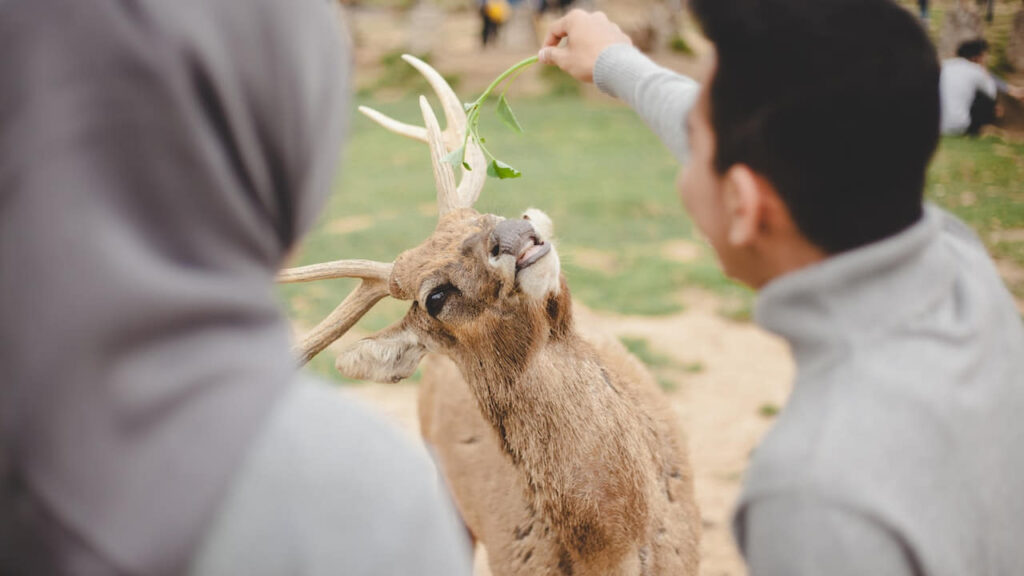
column 437, row 298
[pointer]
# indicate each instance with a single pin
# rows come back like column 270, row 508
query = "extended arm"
column 1013, row 91
column 590, row 48
column 660, row 96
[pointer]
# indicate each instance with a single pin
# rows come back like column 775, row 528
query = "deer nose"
column 509, row 236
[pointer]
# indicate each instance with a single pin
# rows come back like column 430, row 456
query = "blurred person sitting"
column 969, row 91
column 158, row 160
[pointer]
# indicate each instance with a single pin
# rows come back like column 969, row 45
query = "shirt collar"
column 857, row 294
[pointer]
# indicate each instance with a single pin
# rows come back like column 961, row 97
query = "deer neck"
column 561, row 416
column 519, row 363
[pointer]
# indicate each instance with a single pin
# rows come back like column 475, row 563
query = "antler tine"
column 473, row 180
column 374, row 287
column 454, row 113
column 366, row 269
column 444, row 176
column 467, row 191
column 389, row 123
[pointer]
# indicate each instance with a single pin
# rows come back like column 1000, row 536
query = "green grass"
column 607, row 183
column 641, row 348
column 982, row 181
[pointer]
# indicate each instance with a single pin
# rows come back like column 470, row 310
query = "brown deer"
column 562, row 454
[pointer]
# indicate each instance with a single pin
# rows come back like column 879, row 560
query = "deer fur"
column 561, row 453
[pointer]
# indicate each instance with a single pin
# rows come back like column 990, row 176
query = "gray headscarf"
column 157, row 160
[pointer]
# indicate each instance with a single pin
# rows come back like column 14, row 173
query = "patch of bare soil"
column 681, row 251
column 720, row 406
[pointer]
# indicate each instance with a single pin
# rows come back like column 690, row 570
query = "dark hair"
column 972, row 48
column 836, row 102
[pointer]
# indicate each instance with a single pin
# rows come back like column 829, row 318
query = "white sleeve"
column 985, row 82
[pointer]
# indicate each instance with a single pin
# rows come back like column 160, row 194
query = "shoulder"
column 846, row 433
column 330, row 487
column 329, row 436
column 803, row 534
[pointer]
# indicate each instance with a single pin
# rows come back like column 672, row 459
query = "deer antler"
column 376, row 276
column 468, row 189
column 374, row 286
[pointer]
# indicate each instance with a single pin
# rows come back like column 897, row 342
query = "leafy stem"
column 495, row 167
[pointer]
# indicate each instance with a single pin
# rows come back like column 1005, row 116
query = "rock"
column 962, row 23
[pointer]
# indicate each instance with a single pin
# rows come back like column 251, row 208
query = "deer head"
column 483, row 288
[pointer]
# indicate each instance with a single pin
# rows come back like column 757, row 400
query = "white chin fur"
column 541, row 280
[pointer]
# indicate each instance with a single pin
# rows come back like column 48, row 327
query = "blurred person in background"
column 804, row 152
column 158, row 160
column 493, row 14
column 969, row 92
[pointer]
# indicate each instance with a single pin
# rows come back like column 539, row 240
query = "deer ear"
column 388, row 356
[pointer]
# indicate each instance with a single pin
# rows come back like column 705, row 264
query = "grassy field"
column 608, row 184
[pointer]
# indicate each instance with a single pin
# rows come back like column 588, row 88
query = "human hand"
column 586, row 36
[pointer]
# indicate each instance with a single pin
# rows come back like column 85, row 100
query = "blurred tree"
column 1015, row 48
column 962, row 23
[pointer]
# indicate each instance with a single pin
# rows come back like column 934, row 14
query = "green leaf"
column 506, row 115
column 468, row 105
column 498, row 169
column 456, row 157
column 467, row 166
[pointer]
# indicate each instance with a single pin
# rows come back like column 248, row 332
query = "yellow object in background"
column 496, row 10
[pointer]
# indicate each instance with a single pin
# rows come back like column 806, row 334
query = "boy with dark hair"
column 805, row 154
column 969, row 91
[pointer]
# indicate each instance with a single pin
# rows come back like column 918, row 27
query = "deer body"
column 591, row 493
column 558, row 446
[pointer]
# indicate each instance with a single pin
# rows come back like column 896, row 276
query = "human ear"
column 744, row 204
column 390, row 355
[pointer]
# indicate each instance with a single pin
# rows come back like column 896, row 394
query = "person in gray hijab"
column 157, row 162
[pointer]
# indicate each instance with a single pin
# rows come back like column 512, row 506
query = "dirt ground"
column 744, row 372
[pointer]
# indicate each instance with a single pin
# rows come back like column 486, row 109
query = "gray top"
column 662, row 97
column 899, row 452
column 329, row 489
column 157, row 160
